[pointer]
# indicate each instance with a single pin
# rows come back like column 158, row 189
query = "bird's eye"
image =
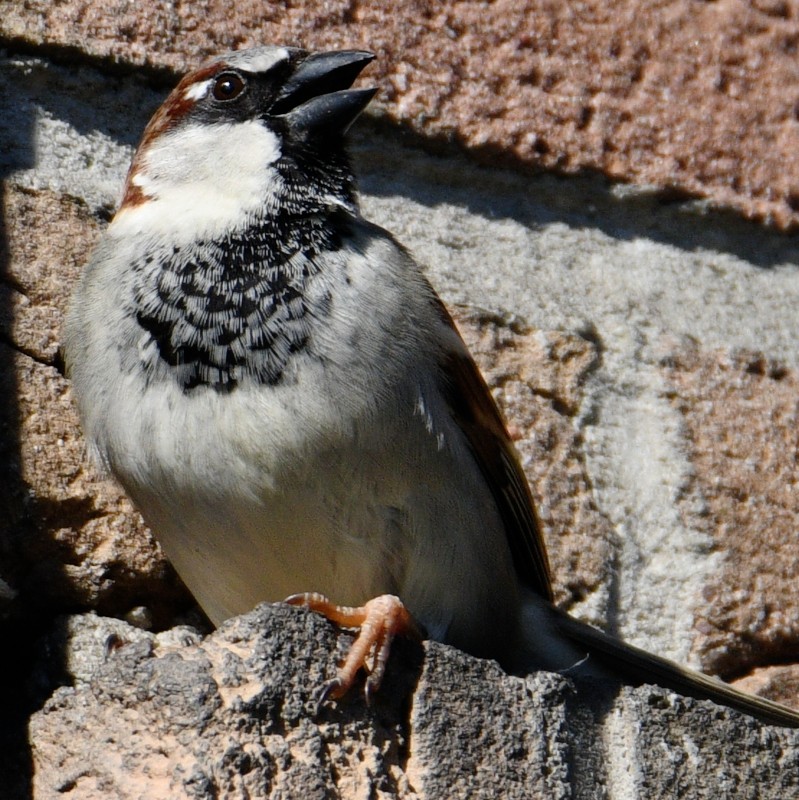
column 228, row 86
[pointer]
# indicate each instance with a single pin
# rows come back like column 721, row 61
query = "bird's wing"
column 476, row 414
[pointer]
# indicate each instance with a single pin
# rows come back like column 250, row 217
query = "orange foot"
column 380, row 620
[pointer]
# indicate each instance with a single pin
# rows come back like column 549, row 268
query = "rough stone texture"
column 780, row 684
column 700, row 97
column 237, row 715
column 741, row 413
column 664, row 750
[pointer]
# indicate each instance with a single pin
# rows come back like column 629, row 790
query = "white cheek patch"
column 200, row 180
column 221, row 153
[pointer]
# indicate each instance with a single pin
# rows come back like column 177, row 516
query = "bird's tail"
column 554, row 640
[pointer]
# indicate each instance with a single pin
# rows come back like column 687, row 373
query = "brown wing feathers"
column 477, row 415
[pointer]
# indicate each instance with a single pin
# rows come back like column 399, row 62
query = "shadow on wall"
column 587, row 200
column 15, row 522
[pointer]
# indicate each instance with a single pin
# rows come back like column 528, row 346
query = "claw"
column 379, row 621
column 327, row 693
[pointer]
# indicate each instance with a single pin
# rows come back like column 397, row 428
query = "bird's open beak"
column 316, row 98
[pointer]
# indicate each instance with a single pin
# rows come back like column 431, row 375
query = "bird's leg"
column 378, row 621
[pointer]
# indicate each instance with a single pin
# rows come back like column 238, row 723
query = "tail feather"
column 642, row 667
column 553, row 640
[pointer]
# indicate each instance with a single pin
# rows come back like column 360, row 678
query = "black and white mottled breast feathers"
column 216, row 313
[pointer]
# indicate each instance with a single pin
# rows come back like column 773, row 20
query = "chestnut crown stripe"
column 171, row 112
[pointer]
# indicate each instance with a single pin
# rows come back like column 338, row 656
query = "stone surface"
column 666, row 747
column 697, row 98
column 741, row 416
column 780, row 684
column 237, row 715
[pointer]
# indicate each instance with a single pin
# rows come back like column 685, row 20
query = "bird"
column 288, row 403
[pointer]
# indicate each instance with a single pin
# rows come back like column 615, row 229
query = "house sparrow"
column 288, row 403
